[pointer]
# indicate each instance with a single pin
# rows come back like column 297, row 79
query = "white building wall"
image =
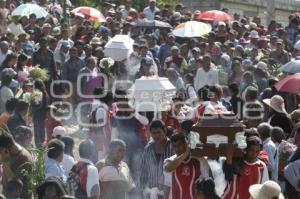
column 283, row 8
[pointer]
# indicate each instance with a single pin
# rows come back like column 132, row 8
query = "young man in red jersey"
column 182, row 170
column 241, row 174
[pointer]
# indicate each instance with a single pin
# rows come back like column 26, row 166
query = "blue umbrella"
column 28, row 9
column 291, row 67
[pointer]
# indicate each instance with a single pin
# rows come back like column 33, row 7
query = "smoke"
column 218, row 175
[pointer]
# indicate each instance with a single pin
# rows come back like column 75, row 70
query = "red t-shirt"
column 255, row 173
column 182, row 180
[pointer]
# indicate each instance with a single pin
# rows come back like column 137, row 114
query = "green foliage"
column 37, row 176
column 170, row 2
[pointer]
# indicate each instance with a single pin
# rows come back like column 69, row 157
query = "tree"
column 37, row 176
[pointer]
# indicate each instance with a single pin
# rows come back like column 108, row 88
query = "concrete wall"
column 283, row 8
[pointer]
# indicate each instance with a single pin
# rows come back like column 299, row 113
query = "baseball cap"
column 27, row 83
column 254, row 34
column 46, row 25
column 66, row 44
column 148, row 60
column 196, row 49
column 174, row 48
column 221, row 23
column 59, row 131
column 171, row 35
column 56, row 31
column 236, row 61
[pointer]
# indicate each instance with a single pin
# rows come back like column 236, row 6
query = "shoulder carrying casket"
column 216, row 131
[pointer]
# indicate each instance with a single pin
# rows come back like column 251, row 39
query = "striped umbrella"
column 91, row 13
column 192, row 29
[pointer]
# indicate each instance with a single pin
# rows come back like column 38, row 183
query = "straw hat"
column 276, row 103
column 268, row 190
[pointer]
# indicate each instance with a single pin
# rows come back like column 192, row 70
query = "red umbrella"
column 290, row 84
column 214, row 15
column 92, row 13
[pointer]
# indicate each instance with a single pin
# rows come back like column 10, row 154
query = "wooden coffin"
column 221, row 125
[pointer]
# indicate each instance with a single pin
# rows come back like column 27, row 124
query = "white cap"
column 59, row 131
column 225, row 57
column 221, row 23
column 152, row 1
column 254, row 34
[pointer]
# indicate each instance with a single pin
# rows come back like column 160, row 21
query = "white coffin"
column 151, row 94
column 119, row 47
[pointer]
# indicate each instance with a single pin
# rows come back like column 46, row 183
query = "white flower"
column 36, row 97
column 106, row 62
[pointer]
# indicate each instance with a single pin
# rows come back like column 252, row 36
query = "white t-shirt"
column 203, row 78
column 15, row 29
column 150, row 15
column 92, row 179
column 121, row 174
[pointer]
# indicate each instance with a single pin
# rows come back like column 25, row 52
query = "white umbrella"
column 28, row 9
column 151, row 94
column 192, row 29
column 291, row 67
column 119, row 47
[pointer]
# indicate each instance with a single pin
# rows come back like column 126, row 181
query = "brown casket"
column 220, row 125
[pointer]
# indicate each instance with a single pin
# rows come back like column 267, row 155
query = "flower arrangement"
column 105, row 65
column 39, row 73
column 36, row 98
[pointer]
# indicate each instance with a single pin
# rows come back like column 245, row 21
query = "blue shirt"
column 149, row 13
column 164, row 52
column 270, row 148
column 71, row 70
column 47, row 62
column 54, row 168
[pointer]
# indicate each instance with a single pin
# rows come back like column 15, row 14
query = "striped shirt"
column 152, row 165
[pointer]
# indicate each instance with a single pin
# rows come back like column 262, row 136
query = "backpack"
column 77, row 180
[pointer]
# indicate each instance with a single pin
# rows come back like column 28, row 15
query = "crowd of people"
column 231, row 70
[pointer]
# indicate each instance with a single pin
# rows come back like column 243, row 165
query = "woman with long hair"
column 39, row 111
column 20, row 68
column 9, row 61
